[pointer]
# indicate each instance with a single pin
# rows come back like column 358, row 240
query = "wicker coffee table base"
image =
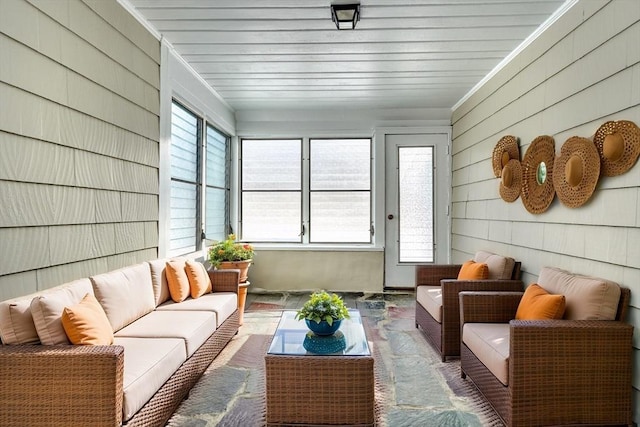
column 325, row 390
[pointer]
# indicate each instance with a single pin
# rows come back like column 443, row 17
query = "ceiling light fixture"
column 345, row 16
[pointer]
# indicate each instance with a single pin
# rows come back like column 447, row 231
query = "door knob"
column 390, row 216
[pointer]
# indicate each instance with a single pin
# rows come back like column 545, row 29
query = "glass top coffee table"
column 319, row 380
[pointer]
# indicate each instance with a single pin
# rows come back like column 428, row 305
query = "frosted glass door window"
column 415, row 177
column 271, row 199
column 340, row 191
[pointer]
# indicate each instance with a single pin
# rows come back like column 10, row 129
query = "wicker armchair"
column 560, row 372
column 441, row 322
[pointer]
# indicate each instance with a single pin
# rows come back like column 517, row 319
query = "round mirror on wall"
column 537, row 166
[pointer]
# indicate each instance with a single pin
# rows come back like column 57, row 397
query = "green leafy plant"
column 323, row 306
column 229, row 250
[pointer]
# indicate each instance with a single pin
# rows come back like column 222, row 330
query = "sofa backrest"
column 500, row 267
column 587, row 297
column 125, row 294
column 47, row 309
column 20, row 324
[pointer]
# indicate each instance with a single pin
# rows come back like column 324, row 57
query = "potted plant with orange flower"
column 227, row 254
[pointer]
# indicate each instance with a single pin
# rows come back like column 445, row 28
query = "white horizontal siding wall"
column 581, row 72
column 79, row 132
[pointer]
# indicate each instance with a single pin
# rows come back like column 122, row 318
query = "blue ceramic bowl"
column 323, row 328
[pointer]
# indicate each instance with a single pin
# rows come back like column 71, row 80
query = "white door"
column 417, row 191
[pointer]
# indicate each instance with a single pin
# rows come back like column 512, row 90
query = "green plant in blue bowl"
column 323, row 313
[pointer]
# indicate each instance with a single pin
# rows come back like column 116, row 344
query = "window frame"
column 305, row 192
column 227, row 184
column 241, row 190
column 201, row 185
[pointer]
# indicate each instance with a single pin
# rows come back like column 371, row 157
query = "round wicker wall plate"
column 576, row 171
column 618, row 144
column 511, row 181
column 537, row 175
column 505, row 150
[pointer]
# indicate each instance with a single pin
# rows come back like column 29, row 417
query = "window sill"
column 315, row 247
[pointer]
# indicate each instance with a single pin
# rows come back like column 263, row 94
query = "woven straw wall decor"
column 505, row 150
column 576, row 171
column 537, row 174
column 511, row 181
column 618, row 144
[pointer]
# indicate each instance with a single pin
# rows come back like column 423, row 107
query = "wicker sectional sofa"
column 161, row 348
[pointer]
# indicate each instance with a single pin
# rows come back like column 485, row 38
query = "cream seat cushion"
column 489, row 342
column 193, row 327
column 430, row 298
column 221, row 303
column 500, row 267
column 586, row 297
column 148, row 364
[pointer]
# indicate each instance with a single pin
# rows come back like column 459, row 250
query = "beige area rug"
column 232, row 390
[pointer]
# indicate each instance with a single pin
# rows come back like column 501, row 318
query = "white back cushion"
column 125, row 294
column 159, row 280
column 47, row 308
column 17, row 323
column 500, row 267
column 587, row 298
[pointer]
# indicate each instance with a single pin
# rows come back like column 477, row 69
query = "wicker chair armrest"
column 452, row 287
column 580, row 361
column 431, row 275
column 61, row 385
column 225, row 280
column 488, row 306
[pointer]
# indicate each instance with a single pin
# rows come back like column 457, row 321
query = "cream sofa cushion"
column 47, row 308
column 159, row 280
column 16, row 321
column 500, row 267
column 148, row 364
column 125, row 294
column 17, row 324
column 489, row 342
column 222, row 303
column 587, row 298
column 430, row 298
column 193, row 327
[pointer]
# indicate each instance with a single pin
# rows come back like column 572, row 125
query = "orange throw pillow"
column 472, row 270
column 177, row 280
column 86, row 323
column 538, row 304
column 199, row 281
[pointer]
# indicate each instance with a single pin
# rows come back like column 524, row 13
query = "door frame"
column 442, row 178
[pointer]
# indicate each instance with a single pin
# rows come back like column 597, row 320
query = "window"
column 271, row 190
column 195, row 158
column 415, row 176
column 340, row 191
column 325, row 198
column 217, row 186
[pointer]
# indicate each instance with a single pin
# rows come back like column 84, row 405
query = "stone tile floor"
column 415, row 387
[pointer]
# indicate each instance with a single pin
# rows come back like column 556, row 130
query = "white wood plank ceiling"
column 269, row 54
